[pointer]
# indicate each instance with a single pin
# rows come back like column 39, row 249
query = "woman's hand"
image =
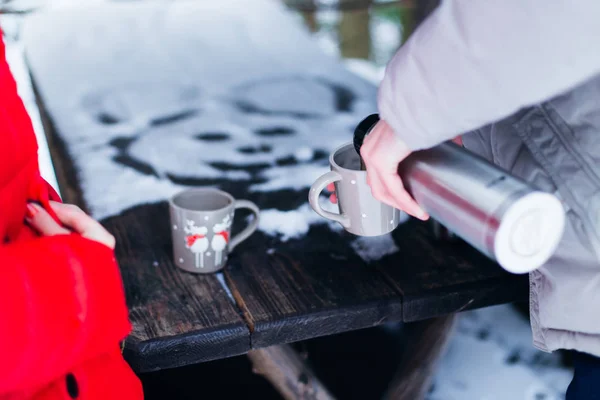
column 73, row 220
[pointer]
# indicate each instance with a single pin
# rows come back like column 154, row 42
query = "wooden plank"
column 427, row 343
column 178, row 318
column 288, row 373
column 307, row 288
column 440, row 276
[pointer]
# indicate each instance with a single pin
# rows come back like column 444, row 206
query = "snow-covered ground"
column 490, row 356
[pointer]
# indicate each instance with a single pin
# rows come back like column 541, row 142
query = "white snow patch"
column 366, row 69
column 491, row 357
column 304, row 154
column 223, row 283
column 294, row 177
column 295, row 223
column 389, row 35
column 374, row 248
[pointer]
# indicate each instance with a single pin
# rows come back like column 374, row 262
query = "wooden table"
column 272, row 292
column 300, row 290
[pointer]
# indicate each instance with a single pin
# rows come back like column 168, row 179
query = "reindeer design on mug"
column 196, row 241
column 221, row 238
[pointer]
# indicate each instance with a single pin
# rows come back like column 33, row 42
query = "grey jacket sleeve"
column 472, row 62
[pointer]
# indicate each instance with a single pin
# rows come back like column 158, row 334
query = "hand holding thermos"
column 497, row 213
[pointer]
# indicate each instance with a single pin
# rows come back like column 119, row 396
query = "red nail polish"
column 31, row 211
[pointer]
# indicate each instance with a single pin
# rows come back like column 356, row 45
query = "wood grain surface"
column 442, row 276
column 178, row 317
column 307, row 288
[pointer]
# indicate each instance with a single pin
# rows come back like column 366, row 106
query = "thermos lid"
column 363, row 129
column 529, row 232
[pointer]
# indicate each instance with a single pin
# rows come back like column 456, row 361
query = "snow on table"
column 202, row 90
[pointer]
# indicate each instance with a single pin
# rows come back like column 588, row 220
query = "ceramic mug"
column 360, row 213
column 201, row 221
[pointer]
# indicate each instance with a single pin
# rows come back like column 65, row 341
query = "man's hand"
column 73, row 220
column 381, row 152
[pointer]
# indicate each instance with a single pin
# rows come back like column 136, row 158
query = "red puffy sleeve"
column 61, row 302
column 61, row 297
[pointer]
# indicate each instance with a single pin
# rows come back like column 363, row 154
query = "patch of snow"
column 366, row 69
column 327, row 36
column 374, row 248
column 388, row 37
column 294, row 177
column 223, row 283
column 10, row 24
column 328, row 43
column 329, row 2
column 304, row 154
column 294, row 224
column 491, row 357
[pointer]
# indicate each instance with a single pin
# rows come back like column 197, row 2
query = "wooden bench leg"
column 427, row 343
column 288, row 373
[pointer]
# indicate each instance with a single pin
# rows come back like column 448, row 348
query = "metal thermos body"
column 499, row 214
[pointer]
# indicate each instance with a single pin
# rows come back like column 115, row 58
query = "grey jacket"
column 522, row 77
column 556, row 146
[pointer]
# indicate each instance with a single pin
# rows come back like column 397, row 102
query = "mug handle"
column 313, row 198
column 249, row 230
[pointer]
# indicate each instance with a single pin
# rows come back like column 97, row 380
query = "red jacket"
column 62, row 304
